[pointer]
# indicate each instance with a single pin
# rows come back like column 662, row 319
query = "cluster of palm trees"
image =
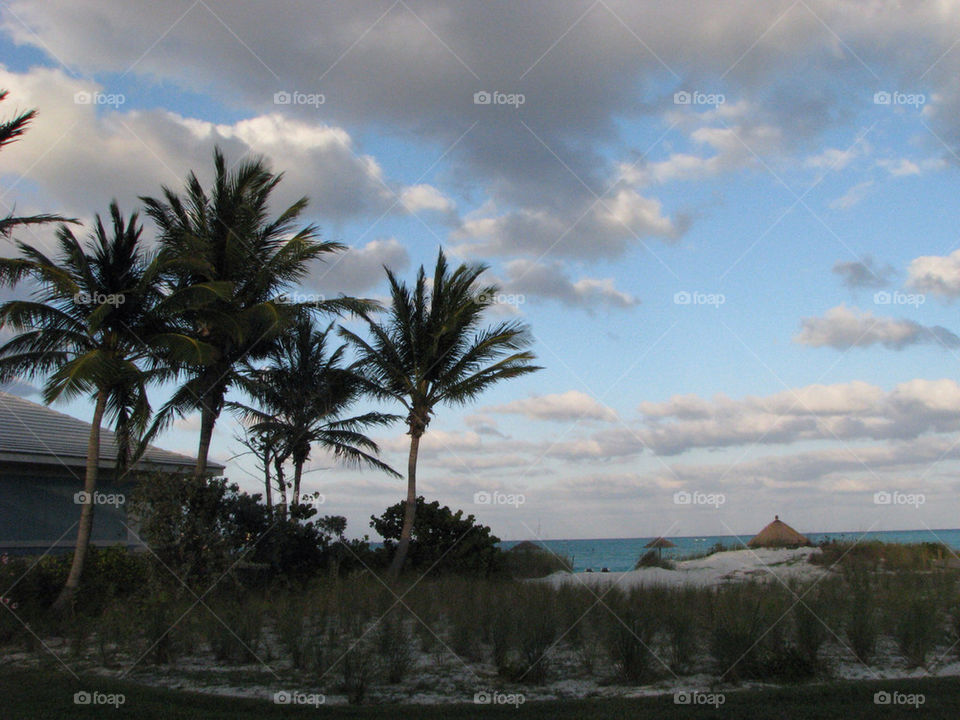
column 206, row 309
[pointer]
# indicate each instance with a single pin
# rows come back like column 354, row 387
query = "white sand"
column 716, row 569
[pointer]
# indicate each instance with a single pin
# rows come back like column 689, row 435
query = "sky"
column 731, row 227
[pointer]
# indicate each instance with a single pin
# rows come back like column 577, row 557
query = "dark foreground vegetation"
column 329, row 622
column 28, row 695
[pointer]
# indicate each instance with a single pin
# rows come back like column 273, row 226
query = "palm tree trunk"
column 282, row 484
column 267, row 479
column 207, row 420
column 297, row 474
column 64, row 601
column 410, row 510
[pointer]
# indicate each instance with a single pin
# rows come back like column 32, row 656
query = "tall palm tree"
column 95, row 326
column 431, row 350
column 303, row 393
column 225, row 239
column 10, row 131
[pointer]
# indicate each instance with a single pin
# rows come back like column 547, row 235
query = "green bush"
column 394, row 646
column 442, row 541
column 915, row 624
column 529, row 560
column 652, row 558
column 537, row 632
column 630, row 634
column 738, row 617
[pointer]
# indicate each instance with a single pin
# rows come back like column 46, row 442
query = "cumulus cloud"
column 871, row 466
column 843, row 328
column 846, row 411
column 570, row 405
column 936, row 275
column 359, row 269
column 415, row 68
column 82, row 155
column 864, row 273
column 549, row 280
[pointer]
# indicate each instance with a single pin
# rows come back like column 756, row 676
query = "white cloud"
column 843, row 328
column 936, row 275
column 570, row 405
column 359, row 269
column 549, row 280
column 82, row 157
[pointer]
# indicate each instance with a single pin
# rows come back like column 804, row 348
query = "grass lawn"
column 39, row 695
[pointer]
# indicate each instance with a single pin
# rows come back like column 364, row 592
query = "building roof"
column 778, row 534
column 34, row 433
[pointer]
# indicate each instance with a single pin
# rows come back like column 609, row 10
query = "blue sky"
column 810, row 223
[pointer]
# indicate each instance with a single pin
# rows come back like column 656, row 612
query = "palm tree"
column 95, row 326
column 225, row 241
column 431, row 350
column 10, row 131
column 303, row 392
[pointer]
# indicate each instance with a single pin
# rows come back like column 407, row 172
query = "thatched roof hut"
column 660, row 543
column 778, row 535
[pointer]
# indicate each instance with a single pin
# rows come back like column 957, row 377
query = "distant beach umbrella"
column 778, row 535
column 660, row 543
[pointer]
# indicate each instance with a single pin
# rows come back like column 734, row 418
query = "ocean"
column 618, row 554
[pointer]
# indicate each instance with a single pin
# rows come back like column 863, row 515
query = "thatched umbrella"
column 777, row 535
column 660, row 543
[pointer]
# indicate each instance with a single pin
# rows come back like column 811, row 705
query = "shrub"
column 395, row 647
column 915, row 625
column 293, row 628
column 357, row 667
column 737, row 617
column 441, row 540
column 651, row 558
column 630, row 633
column 862, row 623
column 529, row 560
column 502, row 629
column 536, row 632
column 680, row 624
column 235, row 631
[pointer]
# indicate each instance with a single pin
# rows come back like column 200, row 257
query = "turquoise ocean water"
column 621, row 554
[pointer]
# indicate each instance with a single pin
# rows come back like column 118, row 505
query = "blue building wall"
column 40, row 509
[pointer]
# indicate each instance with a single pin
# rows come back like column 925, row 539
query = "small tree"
column 431, row 350
column 442, row 540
